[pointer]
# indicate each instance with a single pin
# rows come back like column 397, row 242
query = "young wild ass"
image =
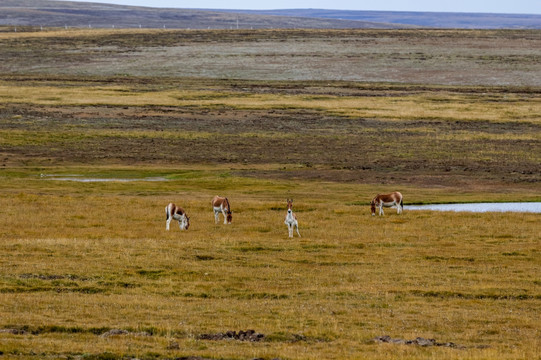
column 173, row 212
column 387, row 200
column 291, row 219
column 221, row 204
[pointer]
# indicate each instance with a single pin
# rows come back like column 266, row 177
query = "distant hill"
column 422, row 19
column 86, row 14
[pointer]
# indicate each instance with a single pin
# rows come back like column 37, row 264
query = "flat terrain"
column 82, row 259
column 99, row 131
column 445, row 57
column 379, row 134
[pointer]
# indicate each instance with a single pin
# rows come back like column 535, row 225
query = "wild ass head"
column 373, row 206
column 289, row 206
column 229, row 213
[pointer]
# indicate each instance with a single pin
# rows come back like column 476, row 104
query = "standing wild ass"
column 387, row 200
column 221, row 204
column 173, row 212
column 291, row 219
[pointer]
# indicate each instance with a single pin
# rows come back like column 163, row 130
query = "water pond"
column 531, row 207
column 79, row 178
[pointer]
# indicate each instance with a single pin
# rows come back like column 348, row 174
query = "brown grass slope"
column 446, row 57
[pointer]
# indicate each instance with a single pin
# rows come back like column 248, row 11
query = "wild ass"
column 387, row 200
column 291, row 219
column 221, row 204
column 173, row 212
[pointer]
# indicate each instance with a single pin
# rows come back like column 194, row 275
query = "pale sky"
column 476, row 6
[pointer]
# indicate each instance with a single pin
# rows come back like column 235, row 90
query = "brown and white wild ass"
column 291, row 219
column 173, row 212
column 221, row 204
column 387, row 200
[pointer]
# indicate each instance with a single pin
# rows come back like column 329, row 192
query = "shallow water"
column 532, row 207
column 79, row 178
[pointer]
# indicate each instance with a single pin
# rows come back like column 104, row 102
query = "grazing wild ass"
column 221, row 204
column 291, row 219
column 387, row 200
column 173, row 212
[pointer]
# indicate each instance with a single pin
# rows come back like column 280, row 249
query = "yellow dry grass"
column 78, row 259
column 423, row 105
column 75, row 33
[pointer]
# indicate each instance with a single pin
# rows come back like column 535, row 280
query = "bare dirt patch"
column 248, row 335
column 417, row 341
column 420, row 341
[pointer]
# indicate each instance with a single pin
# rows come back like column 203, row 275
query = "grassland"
column 82, row 259
column 466, row 57
column 79, row 259
column 467, row 136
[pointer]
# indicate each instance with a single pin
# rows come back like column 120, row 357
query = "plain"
column 88, row 271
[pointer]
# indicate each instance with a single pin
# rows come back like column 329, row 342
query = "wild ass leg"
column 381, row 209
column 216, row 216
column 225, row 216
column 290, row 229
column 297, row 227
column 167, row 218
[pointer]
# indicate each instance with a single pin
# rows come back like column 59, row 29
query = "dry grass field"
column 81, row 259
column 455, row 57
column 88, row 271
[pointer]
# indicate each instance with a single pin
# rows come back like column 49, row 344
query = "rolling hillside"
column 87, row 14
column 76, row 14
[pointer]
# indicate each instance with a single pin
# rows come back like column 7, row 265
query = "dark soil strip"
column 248, row 335
column 420, row 342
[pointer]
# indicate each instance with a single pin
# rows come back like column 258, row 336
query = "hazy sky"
column 490, row 6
